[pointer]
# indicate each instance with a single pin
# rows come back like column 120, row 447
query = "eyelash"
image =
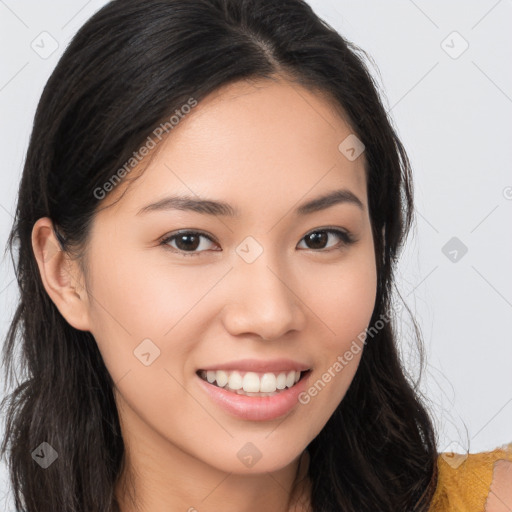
column 346, row 237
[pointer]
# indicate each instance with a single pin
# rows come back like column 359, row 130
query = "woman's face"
column 265, row 290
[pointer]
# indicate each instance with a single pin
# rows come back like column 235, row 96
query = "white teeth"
column 290, row 379
column 281, row 381
column 235, row 381
column 268, row 383
column 252, row 382
column 222, row 378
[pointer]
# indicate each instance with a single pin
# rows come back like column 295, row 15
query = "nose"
column 263, row 301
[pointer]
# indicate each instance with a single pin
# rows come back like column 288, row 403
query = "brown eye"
column 187, row 242
column 317, row 240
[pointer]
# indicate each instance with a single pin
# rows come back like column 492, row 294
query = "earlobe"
column 60, row 275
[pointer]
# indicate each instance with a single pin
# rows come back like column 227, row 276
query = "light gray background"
column 452, row 110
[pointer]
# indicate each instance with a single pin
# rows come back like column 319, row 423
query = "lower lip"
column 255, row 408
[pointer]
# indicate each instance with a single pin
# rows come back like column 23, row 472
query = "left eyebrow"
column 212, row 207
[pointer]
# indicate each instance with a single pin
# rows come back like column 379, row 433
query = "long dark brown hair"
column 126, row 71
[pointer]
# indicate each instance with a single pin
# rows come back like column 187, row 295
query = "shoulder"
column 500, row 494
column 474, row 481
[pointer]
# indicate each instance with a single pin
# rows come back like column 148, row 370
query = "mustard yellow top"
column 464, row 480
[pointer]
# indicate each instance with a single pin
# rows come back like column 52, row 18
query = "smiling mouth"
column 257, row 384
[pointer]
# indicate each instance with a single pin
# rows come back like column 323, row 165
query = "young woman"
column 208, row 222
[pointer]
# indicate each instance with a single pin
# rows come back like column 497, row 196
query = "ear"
column 61, row 276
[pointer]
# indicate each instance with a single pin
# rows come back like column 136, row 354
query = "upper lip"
column 259, row 365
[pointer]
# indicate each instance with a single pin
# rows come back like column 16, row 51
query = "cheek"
column 145, row 328
column 139, row 299
column 342, row 297
column 147, row 299
column 343, row 305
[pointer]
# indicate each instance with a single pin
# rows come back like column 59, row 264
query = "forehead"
column 255, row 143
